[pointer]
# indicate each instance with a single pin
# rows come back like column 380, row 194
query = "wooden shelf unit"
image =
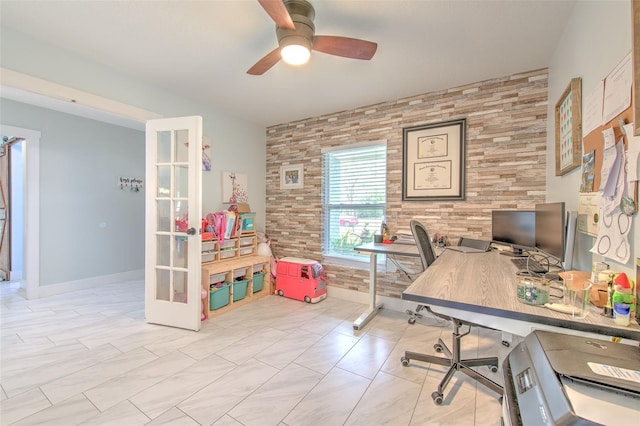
column 224, row 270
column 244, row 245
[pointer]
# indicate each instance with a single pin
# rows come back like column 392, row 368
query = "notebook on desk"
column 469, row 245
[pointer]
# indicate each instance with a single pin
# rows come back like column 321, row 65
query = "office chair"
column 452, row 355
column 427, row 257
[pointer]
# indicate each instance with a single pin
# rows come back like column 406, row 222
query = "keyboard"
column 529, row 264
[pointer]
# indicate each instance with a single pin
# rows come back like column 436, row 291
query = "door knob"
column 191, row 231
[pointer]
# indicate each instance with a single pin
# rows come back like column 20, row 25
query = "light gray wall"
column 596, row 39
column 80, row 160
column 237, row 145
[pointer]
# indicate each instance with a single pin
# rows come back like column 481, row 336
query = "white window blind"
column 355, row 196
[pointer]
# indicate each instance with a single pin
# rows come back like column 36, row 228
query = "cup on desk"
column 621, row 313
column 377, row 238
column 577, row 295
column 567, row 282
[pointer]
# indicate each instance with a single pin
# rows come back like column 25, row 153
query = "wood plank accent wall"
column 505, row 167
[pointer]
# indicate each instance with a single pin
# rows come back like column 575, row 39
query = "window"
column 355, row 196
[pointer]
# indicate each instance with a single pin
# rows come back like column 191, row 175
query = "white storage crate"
column 217, row 278
column 241, row 272
column 208, row 246
column 227, row 253
column 246, row 250
column 208, row 256
column 246, row 241
column 228, row 244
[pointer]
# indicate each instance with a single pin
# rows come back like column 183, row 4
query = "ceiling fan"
column 296, row 37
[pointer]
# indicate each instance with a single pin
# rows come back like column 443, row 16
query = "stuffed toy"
column 623, row 291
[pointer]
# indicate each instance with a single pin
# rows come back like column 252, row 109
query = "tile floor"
column 89, row 358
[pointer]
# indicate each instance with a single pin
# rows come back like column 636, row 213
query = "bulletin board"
column 593, row 142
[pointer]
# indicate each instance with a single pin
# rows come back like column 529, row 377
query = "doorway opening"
column 11, row 209
column 21, row 188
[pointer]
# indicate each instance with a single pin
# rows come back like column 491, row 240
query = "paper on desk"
column 633, row 152
column 617, row 90
column 612, row 166
column 592, row 110
column 614, row 226
column 613, row 236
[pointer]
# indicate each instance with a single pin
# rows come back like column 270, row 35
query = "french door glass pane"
column 164, row 181
column 163, row 248
column 182, row 146
column 181, row 214
column 164, row 216
column 163, row 284
column 181, row 182
column 180, row 252
column 164, row 147
column 180, row 286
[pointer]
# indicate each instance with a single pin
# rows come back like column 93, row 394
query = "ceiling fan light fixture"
column 294, row 54
column 295, row 50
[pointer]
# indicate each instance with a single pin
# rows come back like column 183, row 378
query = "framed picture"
column 433, row 161
column 234, row 187
column 291, row 176
column 569, row 128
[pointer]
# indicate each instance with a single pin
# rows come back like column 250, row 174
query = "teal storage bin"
column 218, row 297
column 258, row 281
column 239, row 290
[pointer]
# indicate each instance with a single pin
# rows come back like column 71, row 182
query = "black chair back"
column 423, row 242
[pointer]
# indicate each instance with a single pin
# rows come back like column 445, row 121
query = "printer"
column 560, row 379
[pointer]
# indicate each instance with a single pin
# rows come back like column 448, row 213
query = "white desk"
column 374, row 249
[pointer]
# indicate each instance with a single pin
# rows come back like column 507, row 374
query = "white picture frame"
column 292, row 176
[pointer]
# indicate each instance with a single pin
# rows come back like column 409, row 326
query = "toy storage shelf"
column 244, row 245
column 233, row 296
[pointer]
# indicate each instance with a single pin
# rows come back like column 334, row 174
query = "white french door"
column 173, row 221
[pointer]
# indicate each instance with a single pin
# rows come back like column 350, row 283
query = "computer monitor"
column 551, row 229
column 515, row 228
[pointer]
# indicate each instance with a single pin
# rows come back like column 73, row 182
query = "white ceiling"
column 202, row 49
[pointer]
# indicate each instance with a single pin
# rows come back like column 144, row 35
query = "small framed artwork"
column 234, row 187
column 291, row 176
column 433, row 161
column 568, row 116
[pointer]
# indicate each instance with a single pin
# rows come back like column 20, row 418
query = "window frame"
column 346, row 260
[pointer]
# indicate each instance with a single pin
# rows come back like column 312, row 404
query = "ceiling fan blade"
column 344, row 46
column 264, row 64
column 278, row 12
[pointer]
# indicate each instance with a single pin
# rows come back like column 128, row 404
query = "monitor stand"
column 515, row 252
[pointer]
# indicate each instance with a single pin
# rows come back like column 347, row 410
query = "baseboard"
column 61, row 288
column 16, row 275
column 390, row 303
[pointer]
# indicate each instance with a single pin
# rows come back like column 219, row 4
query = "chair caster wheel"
column 405, row 361
column 494, row 368
column 437, row 347
column 437, row 398
column 411, row 320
